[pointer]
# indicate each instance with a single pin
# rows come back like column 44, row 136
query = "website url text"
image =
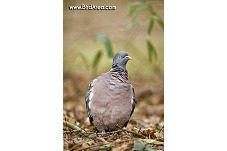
column 92, row 7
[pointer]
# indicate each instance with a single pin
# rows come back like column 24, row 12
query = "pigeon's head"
column 120, row 60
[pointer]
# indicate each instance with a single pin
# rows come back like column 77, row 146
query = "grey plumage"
column 110, row 99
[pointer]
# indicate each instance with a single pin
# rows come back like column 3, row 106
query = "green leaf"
column 159, row 20
column 150, row 26
column 97, row 59
column 105, row 38
column 151, row 51
column 135, row 9
column 152, row 141
column 136, row 14
column 139, row 146
column 132, row 26
column 148, row 7
column 85, row 60
column 131, row 7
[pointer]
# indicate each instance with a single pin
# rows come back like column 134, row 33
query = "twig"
column 137, row 134
column 112, row 136
column 66, row 140
column 96, row 145
column 72, row 126
column 161, row 128
column 110, row 132
column 72, row 131
column 101, row 139
column 92, row 146
column 106, row 133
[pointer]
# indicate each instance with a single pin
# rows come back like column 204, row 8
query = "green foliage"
column 159, row 20
column 151, row 51
column 98, row 56
column 150, row 26
column 135, row 9
column 96, row 60
column 85, row 60
column 105, row 38
column 132, row 8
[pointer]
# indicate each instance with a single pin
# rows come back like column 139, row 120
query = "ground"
column 145, row 129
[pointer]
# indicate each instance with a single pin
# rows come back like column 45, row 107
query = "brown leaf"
column 149, row 132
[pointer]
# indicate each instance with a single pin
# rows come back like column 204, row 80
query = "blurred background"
column 92, row 37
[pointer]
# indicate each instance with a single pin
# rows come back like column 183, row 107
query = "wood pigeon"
column 110, row 99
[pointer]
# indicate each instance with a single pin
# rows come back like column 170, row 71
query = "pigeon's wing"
column 88, row 99
column 133, row 100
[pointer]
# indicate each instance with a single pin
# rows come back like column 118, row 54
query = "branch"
column 137, row 134
column 92, row 146
column 107, row 143
column 72, row 126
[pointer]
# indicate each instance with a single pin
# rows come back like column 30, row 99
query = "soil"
column 145, row 125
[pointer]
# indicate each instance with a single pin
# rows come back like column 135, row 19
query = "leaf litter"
column 145, row 130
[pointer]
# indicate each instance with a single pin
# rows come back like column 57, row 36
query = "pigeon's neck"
column 115, row 65
column 118, row 69
column 119, row 73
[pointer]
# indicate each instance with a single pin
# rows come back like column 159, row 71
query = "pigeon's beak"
column 129, row 58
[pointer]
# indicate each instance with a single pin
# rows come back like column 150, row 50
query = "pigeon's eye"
column 119, row 56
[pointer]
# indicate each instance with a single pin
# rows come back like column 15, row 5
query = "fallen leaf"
column 152, row 141
column 139, row 146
